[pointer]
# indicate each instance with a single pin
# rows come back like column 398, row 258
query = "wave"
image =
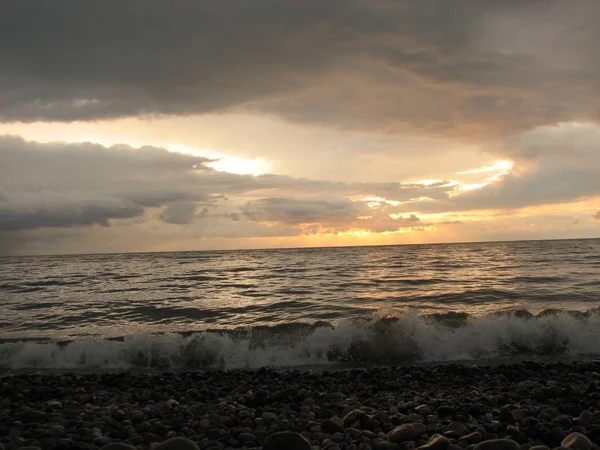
column 383, row 338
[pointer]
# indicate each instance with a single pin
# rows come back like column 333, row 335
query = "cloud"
column 60, row 190
column 28, row 212
column 465, row 68
column 59, row 185
column 552, row 165
column 295, row 211
column 182, row 213
column 596, row 216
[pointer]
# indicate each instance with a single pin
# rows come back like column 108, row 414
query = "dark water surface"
column 301, row 306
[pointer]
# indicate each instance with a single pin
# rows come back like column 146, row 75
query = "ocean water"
column 323, row 307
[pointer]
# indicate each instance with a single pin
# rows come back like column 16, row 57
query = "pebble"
column 506, row 416
column 118, row 446
column 450, row 407
column 498, row 444
column 472, row 438
column 177, row 443
column 407, row 432
column 288, row 440
column 576, row 441
column 437, row 443
column 459, row 428
column 358, row 419
column 333, row 425
column 269, row 417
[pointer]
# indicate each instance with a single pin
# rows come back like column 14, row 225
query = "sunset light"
column 300, row 225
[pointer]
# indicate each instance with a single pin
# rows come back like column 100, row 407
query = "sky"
column 145, row 125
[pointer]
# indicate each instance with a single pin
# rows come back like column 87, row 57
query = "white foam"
column 410, row 338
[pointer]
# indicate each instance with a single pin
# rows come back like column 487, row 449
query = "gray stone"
column 269, row 417
column 118, row 446
column 353, row 433
column 385, row 445
column 506, row 416
column 177, row 443
column 333, row 425
column 445, row 410
column 576, row 441
column 246, row 437
column 286, row 440
column 423, row 410
column 407, row 432
column 472, row 438
column 436, row 443
column 358, row 419
column 458, row 428
column 498, row 444
column 587, row 416
column 36, row 416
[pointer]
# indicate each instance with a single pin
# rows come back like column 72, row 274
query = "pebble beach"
column 518, row 406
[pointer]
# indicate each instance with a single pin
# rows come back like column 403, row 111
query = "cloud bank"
column 465, row 68
column 516, row 80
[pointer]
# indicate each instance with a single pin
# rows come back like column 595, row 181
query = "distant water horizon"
column 243, row 249
column 298, row 307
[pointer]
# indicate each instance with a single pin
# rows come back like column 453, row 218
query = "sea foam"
column 384, row 338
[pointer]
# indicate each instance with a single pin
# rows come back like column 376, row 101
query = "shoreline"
column 531, row 403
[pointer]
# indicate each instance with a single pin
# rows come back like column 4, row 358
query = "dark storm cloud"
column 28, row 212
column 181, row 213
column 65, row 185
column 465, row 65
column 294, row 211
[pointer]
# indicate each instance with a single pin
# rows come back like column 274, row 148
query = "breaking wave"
column 383, row 338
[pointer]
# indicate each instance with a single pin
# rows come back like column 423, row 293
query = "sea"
column 302, row 308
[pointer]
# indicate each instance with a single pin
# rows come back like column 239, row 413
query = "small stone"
column 518, row 414
column 358, row 419
column 118, row 446
column 458, row 428
column 246, row 437
column 288, row 440
column 506, row 416
column 407, row 432
column 445, row 411
column 587, row 416
column 498, row 444
column 576, row 441
column 352, row 432
column 172, row 403
column 310, row 402
column 269, row 417
column 333, row 425
column 35, row 416
column 215, row 434
column 177, row 443
column 472, row 438
column 54, row 404
column 385, row 445
column 436, row 443
column 423, row 410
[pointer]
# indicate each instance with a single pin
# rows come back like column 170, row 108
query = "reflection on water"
column 111, row 295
